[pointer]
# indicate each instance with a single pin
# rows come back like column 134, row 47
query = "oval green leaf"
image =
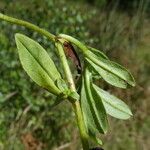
column 37, row 63
column 111, row 72
column 108, row 76
column 113, row 105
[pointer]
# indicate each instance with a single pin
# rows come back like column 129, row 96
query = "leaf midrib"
column 94, row 106
column 106, row 69
column 115, row 106
column 36, row 60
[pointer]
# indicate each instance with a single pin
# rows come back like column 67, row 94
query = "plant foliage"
column 95, row 103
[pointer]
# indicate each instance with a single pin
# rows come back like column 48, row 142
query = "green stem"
column 81, row 46
column 27, row 25
column 65, row 65
column 76, row 104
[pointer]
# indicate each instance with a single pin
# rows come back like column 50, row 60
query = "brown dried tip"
column 71, row 53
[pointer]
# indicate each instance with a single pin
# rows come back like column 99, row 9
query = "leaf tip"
column 17, row 36
column 133, row 83
column 130, row 113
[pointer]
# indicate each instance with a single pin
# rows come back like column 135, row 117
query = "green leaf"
column 61, row 84
column 86, row 109
column 94, row 72
column 98, row 53
column 108, row 77
column 111, row 72
column 96, row 105
column 37, row 63
column 91, row 126
column 113, row 105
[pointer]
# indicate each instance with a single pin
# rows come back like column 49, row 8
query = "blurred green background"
column 121, row 28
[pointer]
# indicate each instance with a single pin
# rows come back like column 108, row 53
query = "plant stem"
column 81, row 125
column 71, row 39
column 65, row 65
column 76, row 104
column 27, row 25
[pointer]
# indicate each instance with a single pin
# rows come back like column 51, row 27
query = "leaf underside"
column 37, row 63
column 111, row 72
column 113, row 105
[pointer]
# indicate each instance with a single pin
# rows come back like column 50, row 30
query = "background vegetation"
column 119, row 28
